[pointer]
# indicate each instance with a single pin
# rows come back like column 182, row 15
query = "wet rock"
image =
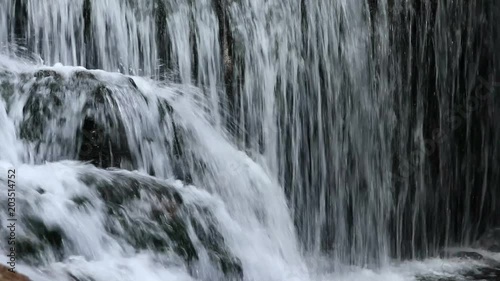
column 468, row 255
column 177, row 145
column 490, row 240
column 28, row 249
column 461, row 254
column 132, row 83
column 225, row 39
column 163, row 226
column 157, row 229
column 176, row 230
column 73, row 277
column 214, row 242
column 84, row 75
column 39, row 240
column 81, row 201
column 43, row 73
column 99, row 147
column 6, row 275
column 51, row 235
column 481, row 273
column 102, row 135
column 45, row 100
column 162, row 37
column 6, row 85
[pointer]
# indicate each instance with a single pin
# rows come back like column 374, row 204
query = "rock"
column 490, row 240
column 99, row 147
column 482, row 273
column 132, row 83
column 79, row 278
column 100, row 138
column 43, row 73
column 213, row 241
column 165, row 224
column 80, row 74
column 461, row 254
column 52, row 236
column 6, row 275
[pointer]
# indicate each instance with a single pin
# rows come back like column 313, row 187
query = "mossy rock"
column 480, row 273
column 53, row 235
column 140, row 233
column 6, row 90
column 28, row 249
column 40, row 239
column 44, row 102
column 82, row 201
column 45, row 73
column 166, row 226
column 213, row 241
column 81, row 74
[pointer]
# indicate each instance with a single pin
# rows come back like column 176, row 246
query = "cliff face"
column 449, row 69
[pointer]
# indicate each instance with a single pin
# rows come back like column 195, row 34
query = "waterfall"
column 248, row 139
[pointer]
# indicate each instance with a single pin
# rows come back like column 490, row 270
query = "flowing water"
column 248, row 139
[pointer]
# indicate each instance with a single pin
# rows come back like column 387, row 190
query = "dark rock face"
column 459, row 127
column 101, row 136
column 490, row 240
column 100, row 145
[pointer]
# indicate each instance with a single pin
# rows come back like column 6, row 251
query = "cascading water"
column 248, row 139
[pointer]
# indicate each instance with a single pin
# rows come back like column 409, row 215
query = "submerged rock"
column 164, row 223
column 40, row 239
column 478, row 274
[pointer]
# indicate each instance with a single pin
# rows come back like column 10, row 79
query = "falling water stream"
column 248, row 139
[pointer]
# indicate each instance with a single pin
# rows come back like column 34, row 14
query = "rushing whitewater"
column 250, row 139
column 253, row 220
